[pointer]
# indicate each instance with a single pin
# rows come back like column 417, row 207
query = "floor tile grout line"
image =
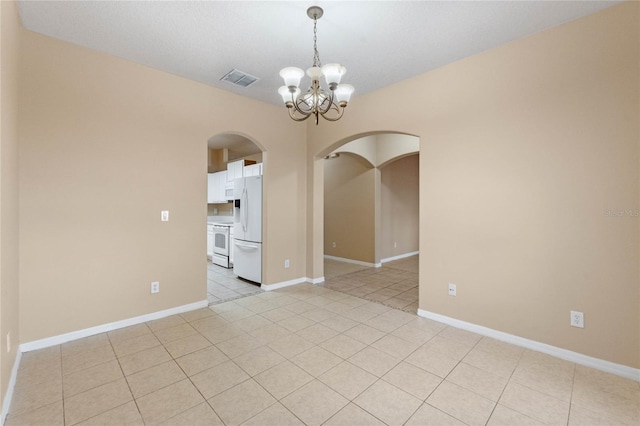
column 505, row 388
column 64, row 414
column 196, row 388
column 96, row 387
column 125, row 379
column 444, row 379
column 573, row 383
column 187, row 377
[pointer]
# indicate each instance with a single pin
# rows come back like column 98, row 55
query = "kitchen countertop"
column 220, row 220
column 220, row 223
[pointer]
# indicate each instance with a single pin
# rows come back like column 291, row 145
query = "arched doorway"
column 370, row 204
column 230, row 156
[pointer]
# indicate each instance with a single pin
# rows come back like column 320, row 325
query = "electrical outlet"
column 286, row 263
column 452, row 289
column 333, row 244
column 577, row 319
column 164, row 215
column 155, row 287
column 8, row 342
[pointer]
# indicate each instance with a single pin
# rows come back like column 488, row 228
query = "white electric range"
column 222, row 248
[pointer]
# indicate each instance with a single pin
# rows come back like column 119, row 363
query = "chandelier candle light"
column 315, row 101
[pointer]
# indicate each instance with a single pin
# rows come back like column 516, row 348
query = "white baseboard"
column 398, row 257
column 355, row 262
column 315, row 280
column 270, row 287
column 578, row 358
column 74, row 335
column 6, row 403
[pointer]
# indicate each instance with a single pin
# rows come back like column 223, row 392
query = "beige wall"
column 9, row 43
column 523, row 149
column 349, row 214
column 399, row 207
column 105, row 145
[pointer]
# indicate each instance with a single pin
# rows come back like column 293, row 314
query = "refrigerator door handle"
column 245, row 201
column 244, row 246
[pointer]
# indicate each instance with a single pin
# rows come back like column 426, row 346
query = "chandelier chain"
column 316, row 55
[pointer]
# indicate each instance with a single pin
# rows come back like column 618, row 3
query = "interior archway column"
column 315, row 219
column 377, row 206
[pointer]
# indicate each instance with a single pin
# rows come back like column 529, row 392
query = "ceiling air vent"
column 240, row 78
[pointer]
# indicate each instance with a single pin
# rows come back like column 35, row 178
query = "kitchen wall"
column 254, row 157
column 349, row 214
column 399, row 207
column 9, row 77
column 105, row 145
column 217, row 160
column 527, row 154
column 220, row 209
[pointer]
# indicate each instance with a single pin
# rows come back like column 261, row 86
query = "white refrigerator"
column 247, row 228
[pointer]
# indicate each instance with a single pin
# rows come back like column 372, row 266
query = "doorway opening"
column 231, row 158
column 371, row 219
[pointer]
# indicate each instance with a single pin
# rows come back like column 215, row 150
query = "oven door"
column 221, row 240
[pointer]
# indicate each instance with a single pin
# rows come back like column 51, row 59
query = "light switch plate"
column 164, row 216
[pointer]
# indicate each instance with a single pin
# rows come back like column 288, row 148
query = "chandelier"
column 315, row 101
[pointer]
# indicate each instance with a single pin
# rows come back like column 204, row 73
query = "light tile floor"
column 309, row 355
column 223, row 285
column 395, row 284
column 334, row 268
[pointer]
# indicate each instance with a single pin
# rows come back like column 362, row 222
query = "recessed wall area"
column 349, row 208
column 371, row 219
column 371, row 199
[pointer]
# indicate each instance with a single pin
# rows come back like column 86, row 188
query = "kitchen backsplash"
column 224, row 209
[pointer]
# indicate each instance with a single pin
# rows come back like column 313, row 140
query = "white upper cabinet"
column 216, row 187
column 235, row 170
column 253, row 170
column 211, row 185
column 238, row 169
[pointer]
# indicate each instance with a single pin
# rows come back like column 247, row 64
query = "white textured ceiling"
column 380, row 42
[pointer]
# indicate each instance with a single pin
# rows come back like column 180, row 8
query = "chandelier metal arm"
column 299, row 109
column 339, row 112
column 292, row 112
